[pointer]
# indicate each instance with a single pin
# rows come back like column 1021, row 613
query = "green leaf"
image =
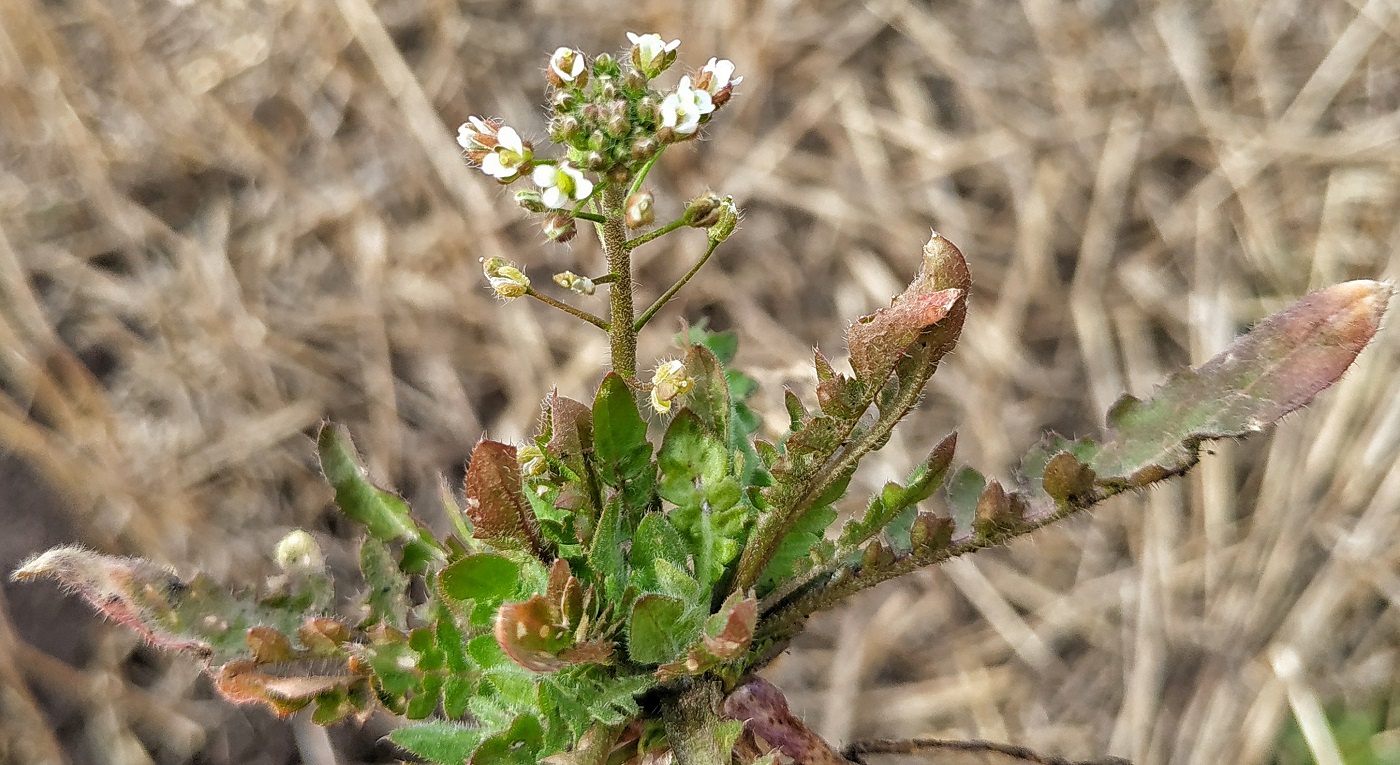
column 804, row 536
column 496, row 502
column 384, row 513
column 656, row 540
column 519, row 744
column 895, row 499
column 486, row 578
column 709, row 396
column 714, row 534
column 691, row 460
column 654, row 629
column 1276, row 368
column 607, row 555
column 619, row 432
column 964, row 490
column 439, row 742
column 386, row 586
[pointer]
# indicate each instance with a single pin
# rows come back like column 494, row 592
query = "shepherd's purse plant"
column 613, row 584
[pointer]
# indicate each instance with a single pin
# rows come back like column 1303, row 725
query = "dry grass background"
column 222, row 221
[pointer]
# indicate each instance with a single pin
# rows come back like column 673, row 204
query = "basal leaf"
column 440, row 742
column 654, row 630
column 1277, row 367
column 655, row 540
column 386, row 586
column 691, row 459
column 520, row 744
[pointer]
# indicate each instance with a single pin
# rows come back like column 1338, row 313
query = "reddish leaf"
column 1276, row 368
column 496, row 503
column 534, row 635
column 935, row 299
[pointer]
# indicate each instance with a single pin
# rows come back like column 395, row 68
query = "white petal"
column 465, row 136
column 491, row 165
column 554, row 198
column 703, row 103
column 583, row 188
column 543, row 176
column 672, row 45
column 481, row 125
column 511, row 140
column 634, row 38
column 572, row 172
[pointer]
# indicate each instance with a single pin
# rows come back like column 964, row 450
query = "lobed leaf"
column 1273, row 370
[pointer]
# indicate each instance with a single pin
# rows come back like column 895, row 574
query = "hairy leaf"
column 384, row 513
column 709, row 396
column 486, row 578
column 496, row 503
column 1273, row 370
column 658, row 629
column 440, row 742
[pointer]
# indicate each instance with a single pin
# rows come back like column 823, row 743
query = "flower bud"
column 559, row 227
column 564, row 128
column 728, row 220
column 639, row 210
column 571, row 281
column 605, row 65
column 703, row 211
column 634, row 81
column 607, row 89
column 596, row 161
column 532, row 461
column 506, row 280
column 651, row 55
column 643, row 148
column 566, row 67
column 564, row 100
column 298, row 553
column 669, row 380
column 531, row 201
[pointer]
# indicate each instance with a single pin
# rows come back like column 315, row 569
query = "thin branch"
column 670, row 293
column 921, row 745
column 566, row 308
column 642, row 239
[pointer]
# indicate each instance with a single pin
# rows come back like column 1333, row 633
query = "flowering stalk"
column 621, row 309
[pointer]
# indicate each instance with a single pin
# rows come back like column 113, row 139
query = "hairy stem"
column 670, row 293
column 656, row 233
column 622, row 311
column 691, row 719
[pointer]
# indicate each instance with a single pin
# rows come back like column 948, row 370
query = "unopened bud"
column 669, row 380
column 571, row 281
column 643, row 149
column 506, row 280
column 298, row 553
column 640, row 210
column 559, row 227
column 728, row 220
column 531, row 201
column 596, row 161
column 703, row 211
column 564, row 129
column 605, row 64
column 634, row 81
column 564, row 100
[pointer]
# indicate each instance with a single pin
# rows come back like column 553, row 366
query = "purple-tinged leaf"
column 535, row 635
column 1275, row 369
column 496, row 503
column 931, row 309
column 764, row 710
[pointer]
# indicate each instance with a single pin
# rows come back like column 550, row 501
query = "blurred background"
column 224, row 221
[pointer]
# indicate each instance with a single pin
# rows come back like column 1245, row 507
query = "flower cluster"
column 606, row 116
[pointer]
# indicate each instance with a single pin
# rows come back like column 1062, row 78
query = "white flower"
column 650, row 54
column 681, row 110
column 475, row 134
column 669, row 380
column 717, row 75
column 561, row 183
column 508, row 157
column 566, row 64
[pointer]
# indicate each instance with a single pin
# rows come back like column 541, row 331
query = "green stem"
column 622, row 310
column 642, row 174
column 692, row 724
column 642, row 239
column 588, row 216
column 670, row 293
column 566, row 308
